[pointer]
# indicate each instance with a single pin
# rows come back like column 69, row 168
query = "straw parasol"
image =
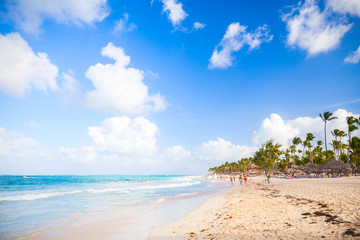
column 309, row 168
column 336, row 166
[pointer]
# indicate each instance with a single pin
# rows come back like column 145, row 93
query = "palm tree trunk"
column 348, row 155
column 327, row 157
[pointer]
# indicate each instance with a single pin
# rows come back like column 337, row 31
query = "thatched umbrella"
column 336, row 166
column 309, row 168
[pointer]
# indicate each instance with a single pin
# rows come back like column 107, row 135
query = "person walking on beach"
column 245, row 179
column 240, row 179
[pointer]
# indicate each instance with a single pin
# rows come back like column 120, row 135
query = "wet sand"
column 284, row 209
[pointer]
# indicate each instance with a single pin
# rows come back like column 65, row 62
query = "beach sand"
column 326, row 208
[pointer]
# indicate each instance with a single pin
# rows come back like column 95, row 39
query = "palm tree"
column 296, row 141
column 267, row 156
column 326, row 117
column 351, row 121
column 335, row 133
column 355, row 148
column 309, row 138
column 338, row 134
column 336, row 145
column 305, row 144
column 319, row 148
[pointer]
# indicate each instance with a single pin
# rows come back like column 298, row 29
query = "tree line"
column 271, row 156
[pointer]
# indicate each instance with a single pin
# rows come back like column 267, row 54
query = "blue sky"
column 166, row 86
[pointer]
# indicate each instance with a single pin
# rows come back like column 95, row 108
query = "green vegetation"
column 271, row 156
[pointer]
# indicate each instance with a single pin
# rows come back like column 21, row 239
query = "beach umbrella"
column 336, row 166
column 309, row 168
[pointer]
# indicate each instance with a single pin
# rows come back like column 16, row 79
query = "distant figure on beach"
column 245, row 179
column 240, row 179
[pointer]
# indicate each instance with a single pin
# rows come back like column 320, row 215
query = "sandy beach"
column 326, row 208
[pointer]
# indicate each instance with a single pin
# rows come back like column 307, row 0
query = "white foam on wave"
column 160, row 200
column 29, row 197
column 169, row 185
column 36, row 196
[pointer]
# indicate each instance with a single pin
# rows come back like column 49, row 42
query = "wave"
column 36, row 196
column 169, row 185
column 29, row 197
column 128, row 189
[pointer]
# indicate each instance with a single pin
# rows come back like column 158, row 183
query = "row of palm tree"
column 270, row 156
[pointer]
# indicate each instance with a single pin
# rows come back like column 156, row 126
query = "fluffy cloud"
column 177, row 153
column 119, row 145
column 219, row 151
column 119, row 88
column 18, row 153
column 283, row 131
column 70, row 87
column 123, row 25
column 125, row 136
column 198, row 25
column 351, row 7
column 174, row 10
column 122, row 145
column 21, row 69
column 276, row 128
column 353, row 57
column 11, row 141
column 234, row 39
column 313, row 30
column 29, row 15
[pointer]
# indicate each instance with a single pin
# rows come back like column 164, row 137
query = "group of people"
column 241, row 179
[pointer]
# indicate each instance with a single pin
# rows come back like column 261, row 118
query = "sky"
column 169, row 86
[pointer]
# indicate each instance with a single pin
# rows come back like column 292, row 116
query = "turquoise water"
column 31, row 204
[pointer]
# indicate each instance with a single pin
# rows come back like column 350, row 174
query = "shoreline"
column 318, row 208
column 135, row 222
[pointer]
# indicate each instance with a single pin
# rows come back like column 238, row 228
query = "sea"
column 56, row 207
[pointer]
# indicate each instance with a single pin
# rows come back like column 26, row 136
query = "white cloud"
column 283, row 131
column 340, row 122
column 123, row 25
column 234, row 39
column 21, row 69
column 177, row 154
column 119, row 88
column 33, row 124
column 198, row 25
column 29, row 15
column 351, row 7
column 70, row 88
column 126, row 136
column 313, row 30
column 275, row 128
column 151, row 74
column 353, row 57
column 220, row 151
column 175, row 12
column 122, row 145
column 12, row 141
column 18, row 154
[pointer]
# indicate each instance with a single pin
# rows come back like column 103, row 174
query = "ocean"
column 47, row 207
